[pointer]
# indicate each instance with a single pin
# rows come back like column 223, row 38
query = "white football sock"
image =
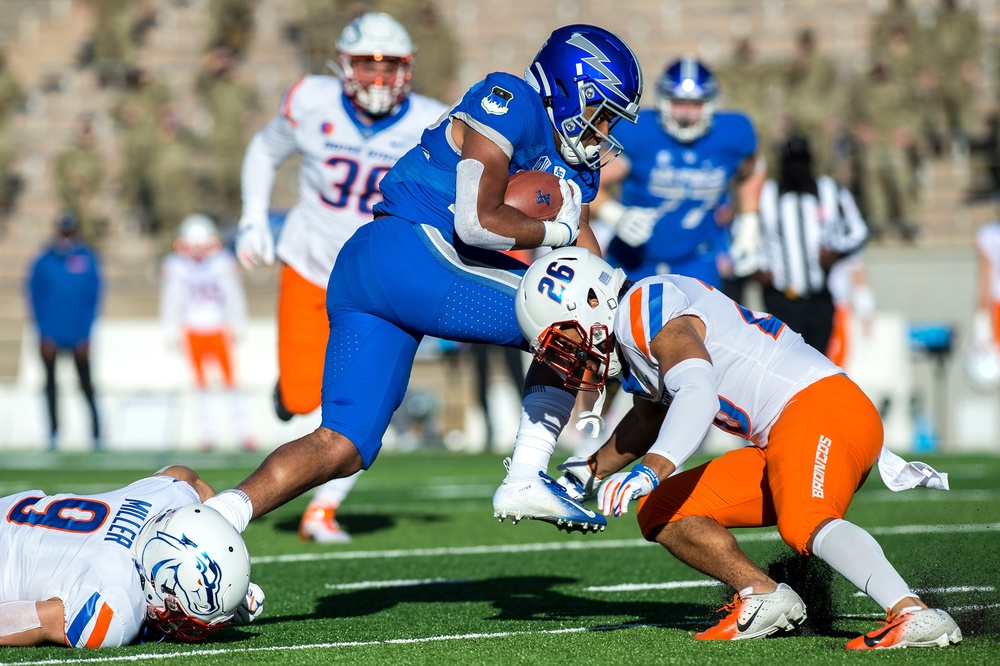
column 334, row 492
column 856, row 555
column 545, row 411
column 235, row 506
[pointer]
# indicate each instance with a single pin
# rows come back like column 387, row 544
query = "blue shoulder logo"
column 496, row 102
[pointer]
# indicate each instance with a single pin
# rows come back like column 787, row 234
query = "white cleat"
column 319, row 524
column 757, row 615
column 912, row 627
column 544, row 499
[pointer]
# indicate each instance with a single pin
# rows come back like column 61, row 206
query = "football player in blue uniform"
column 678, row 165
column 431, row 263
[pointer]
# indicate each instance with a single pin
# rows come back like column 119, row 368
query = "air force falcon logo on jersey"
column 496, row 102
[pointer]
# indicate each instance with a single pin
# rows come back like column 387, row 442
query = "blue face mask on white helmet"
column 582, row 66
column 686, row 80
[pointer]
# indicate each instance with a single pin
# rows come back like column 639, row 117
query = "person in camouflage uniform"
column 112, row 40
column 136, row 113
column 885, row 120
column 750, row 86
column 172, row 180
column 233, row 25
column 79, row 175
column 12, row 99
column 957, row 49
column 230, row 103
column 813, row 98
column 898, row 13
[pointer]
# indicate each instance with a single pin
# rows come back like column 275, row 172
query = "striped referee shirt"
column 796, row 225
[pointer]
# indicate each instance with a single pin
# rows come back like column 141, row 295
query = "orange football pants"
column 303, row 329
column 216, row 346
column 818, row 454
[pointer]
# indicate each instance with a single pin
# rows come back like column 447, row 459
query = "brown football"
column 534, row 193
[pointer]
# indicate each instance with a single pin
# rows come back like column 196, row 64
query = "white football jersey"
column 988, row 242
column 78, row 548
column 759, row 362
column 343, row 163
column 204, row 296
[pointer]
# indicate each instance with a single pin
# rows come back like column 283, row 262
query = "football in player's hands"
column 534, row 193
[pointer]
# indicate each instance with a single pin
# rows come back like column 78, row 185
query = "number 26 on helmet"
column 565, row 307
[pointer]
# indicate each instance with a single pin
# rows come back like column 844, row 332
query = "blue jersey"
column 64, row 289
column 686, row 182
column 420, row 188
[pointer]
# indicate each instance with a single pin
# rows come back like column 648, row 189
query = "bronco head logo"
column 178, row 567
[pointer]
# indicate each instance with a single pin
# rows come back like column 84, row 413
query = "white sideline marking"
column 635, row 587
column 316, row 646
column 377, row 584
column 769, row 535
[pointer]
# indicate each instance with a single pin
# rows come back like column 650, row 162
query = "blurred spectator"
column 64, row 291
column 172, row 181
column 230, row 103
column 813, row 99
column 897, row 14
column 885, row 120
column 436, row 70
column 79, row 173
column 232, row 24
column 137, row 112
column 112, row 40
column 748, row 85
column 808, row 224
column 203, row 308
column 956, row 51
column 11, row 99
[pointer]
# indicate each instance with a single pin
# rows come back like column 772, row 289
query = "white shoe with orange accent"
column 319, row 524
column 911, row 627
column 757, row 615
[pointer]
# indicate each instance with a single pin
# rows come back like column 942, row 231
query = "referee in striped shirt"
column 807, row 225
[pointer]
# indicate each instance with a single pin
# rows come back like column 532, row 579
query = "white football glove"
column 636, row 225
column 578, row 478
column 566, row 227
column 633, row 224
column 621, row 488
column 251, row 607
column 744, row 249
column 254, row 241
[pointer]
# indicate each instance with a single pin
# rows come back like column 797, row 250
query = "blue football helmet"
column 582, row 66
column 686, row 80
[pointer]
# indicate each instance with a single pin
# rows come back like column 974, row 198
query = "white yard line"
column 746, row 537
column 378, row 584
column 318, row 646
column 636, row 587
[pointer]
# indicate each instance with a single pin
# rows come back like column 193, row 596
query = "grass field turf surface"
column 432, row 578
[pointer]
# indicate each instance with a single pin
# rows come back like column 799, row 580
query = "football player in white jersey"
column 202, row 304
column 94, row 571
column 350, row 131
column 692, row 357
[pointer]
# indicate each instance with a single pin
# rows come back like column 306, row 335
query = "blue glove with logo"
column 621, row 488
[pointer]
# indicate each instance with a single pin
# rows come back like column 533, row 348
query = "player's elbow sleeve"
column 468, row 227
column 695, row 403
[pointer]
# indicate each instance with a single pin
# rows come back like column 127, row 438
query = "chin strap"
column 593, row 417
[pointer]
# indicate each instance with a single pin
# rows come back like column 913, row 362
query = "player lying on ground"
column 691, row 357
column 147, row 560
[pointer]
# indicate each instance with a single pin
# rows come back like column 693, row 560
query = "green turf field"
column 432, row 578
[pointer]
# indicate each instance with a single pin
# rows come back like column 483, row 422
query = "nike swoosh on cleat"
column 741, row 627
column 873, row 641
